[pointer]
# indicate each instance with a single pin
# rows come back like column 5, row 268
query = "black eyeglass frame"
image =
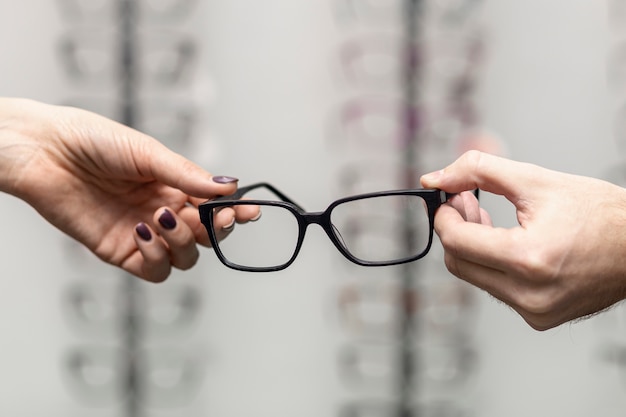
column 434, row 198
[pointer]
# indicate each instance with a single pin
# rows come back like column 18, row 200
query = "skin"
column 97, row 180
column 564, row 261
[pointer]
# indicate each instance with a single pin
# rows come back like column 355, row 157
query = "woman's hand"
column 121, row 193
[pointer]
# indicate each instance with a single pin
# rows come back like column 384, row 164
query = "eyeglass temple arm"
column 241, row 191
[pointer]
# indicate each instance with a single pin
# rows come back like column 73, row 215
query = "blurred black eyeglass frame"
column 433, row 198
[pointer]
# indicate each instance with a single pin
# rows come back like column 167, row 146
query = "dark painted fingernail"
column 167, row 220
column 222, row 179
column 143, row 232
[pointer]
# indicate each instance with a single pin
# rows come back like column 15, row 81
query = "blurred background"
column 323, row 99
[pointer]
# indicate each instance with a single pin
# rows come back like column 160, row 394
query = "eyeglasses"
column 443, row 309
column 373, row 61
column 372, row 123
column 442, row 366
column 94, row 309
column 391, row 408
column 404, row 217
column 370, row 11
column 98, row 10
column 96, row 374
column 90, row 56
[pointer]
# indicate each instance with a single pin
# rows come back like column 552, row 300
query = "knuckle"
column 452, row 264
column 472, row 156
column 536, row 297
column 156, row 270
column 541, row 322
column 472, row 159
column 539, row 309
column 201, row 235
column 157, row 277
column 535, row 264
column 188, row 261
column 538, row 303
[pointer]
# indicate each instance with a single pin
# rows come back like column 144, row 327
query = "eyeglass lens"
column 268, row 242
column 376, row 229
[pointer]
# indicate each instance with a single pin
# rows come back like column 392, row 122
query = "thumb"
column 143, row 158
column 488, row 172
column 178, row 172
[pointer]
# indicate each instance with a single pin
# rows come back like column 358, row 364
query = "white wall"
column 271, row 344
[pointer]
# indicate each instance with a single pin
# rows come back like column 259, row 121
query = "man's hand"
column 567, row 257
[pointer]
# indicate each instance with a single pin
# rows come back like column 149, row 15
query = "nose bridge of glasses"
column 314, row 217
column 323, row 219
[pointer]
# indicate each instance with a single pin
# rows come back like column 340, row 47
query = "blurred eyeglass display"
column 153, row 11
column 131, row 61
column 406, row 73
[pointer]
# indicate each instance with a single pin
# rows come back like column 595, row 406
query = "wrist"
column 20, row 135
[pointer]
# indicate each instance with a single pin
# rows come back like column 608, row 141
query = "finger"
column 152, row 261
column 477, row 243
column 243, row 213
column 491, row 280
column 485, row 217
column 190, row 216
column 196, row 201
column 153, row 160
column 183, row 252
column 224, row 220
column 513, row 292
column 488, row 172
column 247, row 212
column 148, row 159
column 467, row 206
column 178, row 172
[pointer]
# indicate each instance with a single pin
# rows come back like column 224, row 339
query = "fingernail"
column 222, row 179
column 257, row 217
column 143, row 232
column 229, row 227
column 167, row 220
